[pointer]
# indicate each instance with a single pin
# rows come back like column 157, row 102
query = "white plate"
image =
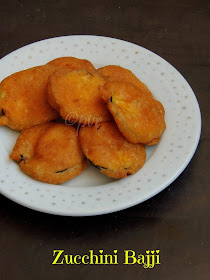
column 92, row 193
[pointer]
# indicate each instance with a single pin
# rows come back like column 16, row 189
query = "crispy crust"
column 72, row 63
column 114, row 73
column 110, row 152
column 139, row 117
column 25, row 144
column 76, row 95
column 50, row 153
column 153, row 142
column 23, row 96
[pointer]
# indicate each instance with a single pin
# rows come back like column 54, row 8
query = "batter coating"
column 25, row 145
column 77, row 97
column 139, row 117
column 72, row 63
column 110, row 152
column 50, row 153
column 23, row 97
column 114, row 73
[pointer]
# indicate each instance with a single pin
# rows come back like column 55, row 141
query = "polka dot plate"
column 92, row 193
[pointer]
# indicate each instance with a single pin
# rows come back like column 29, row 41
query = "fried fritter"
column 114, row 73
column 139, row 117
column 107, row 150
column 76, row 96
column 25, row 145
column 23, row 97
column 50, row 153
column 72, row 63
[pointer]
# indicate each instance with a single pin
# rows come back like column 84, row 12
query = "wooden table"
column 176, row 221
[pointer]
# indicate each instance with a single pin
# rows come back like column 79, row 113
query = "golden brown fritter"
column 72, row 63
column 110, row 152
column 23, row 97
column 76, row 95
column 139, row 117
column 26, row 142
column 50, row 153
column 114, row 73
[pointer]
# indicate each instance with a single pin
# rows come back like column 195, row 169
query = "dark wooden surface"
column 176, row 221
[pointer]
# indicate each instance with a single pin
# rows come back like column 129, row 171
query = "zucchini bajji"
column 107, row 150
column 23, row 96
column 77, row 97
column 139, row 117
column 114, row 73
column 50, row 153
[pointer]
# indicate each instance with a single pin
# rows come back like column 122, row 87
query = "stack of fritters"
column 116, row 113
